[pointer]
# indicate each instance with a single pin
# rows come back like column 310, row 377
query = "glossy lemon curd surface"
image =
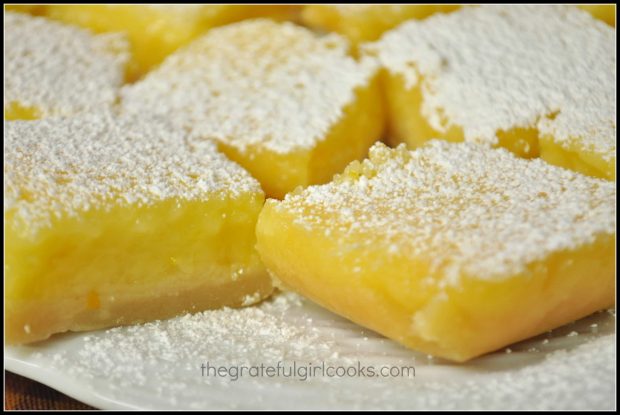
column 130, row 265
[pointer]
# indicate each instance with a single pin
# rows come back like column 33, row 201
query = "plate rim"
column 60, row 382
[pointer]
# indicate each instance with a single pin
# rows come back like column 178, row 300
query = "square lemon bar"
column 156, row 30
column 291, row 107
column 454, row 249
column 112, row 221
column 366, row 22
column 538, row 80
column 53, row 69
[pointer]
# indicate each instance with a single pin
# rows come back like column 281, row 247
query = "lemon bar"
column 52, row 69
column 537, row 80
column 289, row 106
column 118, row 221
column 366, row 22
column 454, row 249
column 604, row 12
column 156, row 30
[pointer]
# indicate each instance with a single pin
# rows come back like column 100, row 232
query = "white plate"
column 157, row 366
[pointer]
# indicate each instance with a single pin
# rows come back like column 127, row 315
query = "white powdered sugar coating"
column 60, row 69
column 465, row 209
column 226, row 336
column 254, row 83
column 60, row 167
column 494, row 68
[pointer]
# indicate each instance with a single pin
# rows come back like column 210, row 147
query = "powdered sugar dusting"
column 464, row 208
column 254, row 83
column 231, row 336
column 62, row 166
column 494, row 68
column 60, row 69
